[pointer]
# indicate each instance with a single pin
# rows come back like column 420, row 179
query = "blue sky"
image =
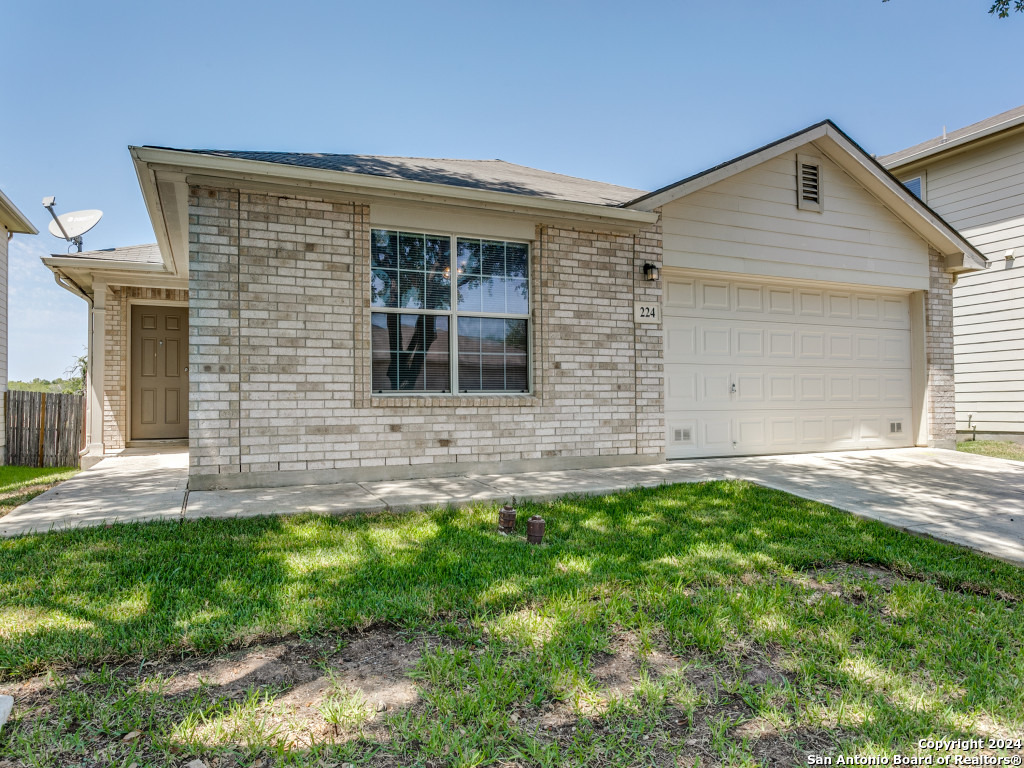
column 639, row 94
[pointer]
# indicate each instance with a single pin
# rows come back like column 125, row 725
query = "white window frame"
column 807, row 205
column 453, row 323
column 923, row 176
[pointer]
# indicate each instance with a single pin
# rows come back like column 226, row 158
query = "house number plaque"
column 646, row 313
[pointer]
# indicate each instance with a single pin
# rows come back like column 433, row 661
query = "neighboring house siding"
column 988, row 321
column 280, row 354
column 750, row 224
column 981, row 193
column 3, row 340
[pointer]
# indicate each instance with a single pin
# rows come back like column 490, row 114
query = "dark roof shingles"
column 490, row 175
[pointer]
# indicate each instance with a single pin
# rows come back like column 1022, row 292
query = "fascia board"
column 97, row 265
column 725, row 170
column 154, row 206
column 900, row 200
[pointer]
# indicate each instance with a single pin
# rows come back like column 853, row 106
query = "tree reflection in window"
column 411, row 349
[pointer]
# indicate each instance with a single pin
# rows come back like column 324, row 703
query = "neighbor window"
column 431, row 333
column 915, row 185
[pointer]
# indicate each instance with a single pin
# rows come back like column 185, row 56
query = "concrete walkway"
column 135, row 486
column 971, row 500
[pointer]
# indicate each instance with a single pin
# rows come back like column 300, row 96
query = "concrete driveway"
column 971, row 500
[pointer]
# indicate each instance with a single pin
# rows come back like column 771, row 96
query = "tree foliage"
column 74, row 384
column 1001, row 8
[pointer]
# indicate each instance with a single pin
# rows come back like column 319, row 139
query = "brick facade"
column 939, row 349
column 280, row 353
column 115, row 356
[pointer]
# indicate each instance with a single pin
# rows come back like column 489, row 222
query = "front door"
column 159, row 373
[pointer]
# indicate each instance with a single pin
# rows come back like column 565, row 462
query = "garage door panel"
column 756, row 368
column 743, row 388
column 724, row 433
column 758, row 343
column 749, row 388
column 781, row 388
column 749, row 342
column 748, row 298
column 781, row 344
column 711, row 298
column 715, row 341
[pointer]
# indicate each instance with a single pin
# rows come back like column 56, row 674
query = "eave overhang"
column 88, row 274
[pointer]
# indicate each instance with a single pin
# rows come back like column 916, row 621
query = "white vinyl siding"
column 981, row 193
column 755, row 368
column 748, row 224
column 988, row 326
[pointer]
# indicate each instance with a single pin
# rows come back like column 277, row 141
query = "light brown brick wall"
column 115, row 357
column 649, row 342
column 939, row 348
column 280, row 350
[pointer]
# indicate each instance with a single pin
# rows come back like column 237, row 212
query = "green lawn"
column 705, row 624
column 997, row 448
column 19, row 484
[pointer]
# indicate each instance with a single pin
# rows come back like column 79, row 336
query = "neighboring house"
column 974, row 178
column 317, row 318
column 12, row 222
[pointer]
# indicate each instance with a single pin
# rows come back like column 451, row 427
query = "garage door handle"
column 732, row 388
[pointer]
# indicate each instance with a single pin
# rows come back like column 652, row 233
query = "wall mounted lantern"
column 651, row 271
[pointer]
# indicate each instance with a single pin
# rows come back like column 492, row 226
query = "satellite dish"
column 74, row 224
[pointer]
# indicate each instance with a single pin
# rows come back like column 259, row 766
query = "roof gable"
column 828, row 139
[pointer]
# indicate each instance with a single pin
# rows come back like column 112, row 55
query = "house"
column 12, row 222
column 974, row 179
column 312, row 318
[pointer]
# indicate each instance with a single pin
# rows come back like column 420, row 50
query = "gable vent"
column 809, row 183
column 808, row 178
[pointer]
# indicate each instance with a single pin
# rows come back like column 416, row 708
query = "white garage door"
column 755, row 368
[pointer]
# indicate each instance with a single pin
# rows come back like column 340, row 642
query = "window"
column 433, row 334
column 809, row 183
column 915, row 185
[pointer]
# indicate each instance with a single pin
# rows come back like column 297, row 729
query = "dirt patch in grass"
column 262, row 700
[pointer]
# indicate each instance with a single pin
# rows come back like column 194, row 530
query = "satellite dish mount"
column 71, row 226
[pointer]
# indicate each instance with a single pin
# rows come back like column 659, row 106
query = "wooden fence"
column 44, row 430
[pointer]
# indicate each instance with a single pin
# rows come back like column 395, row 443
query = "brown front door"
column 159, row 378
